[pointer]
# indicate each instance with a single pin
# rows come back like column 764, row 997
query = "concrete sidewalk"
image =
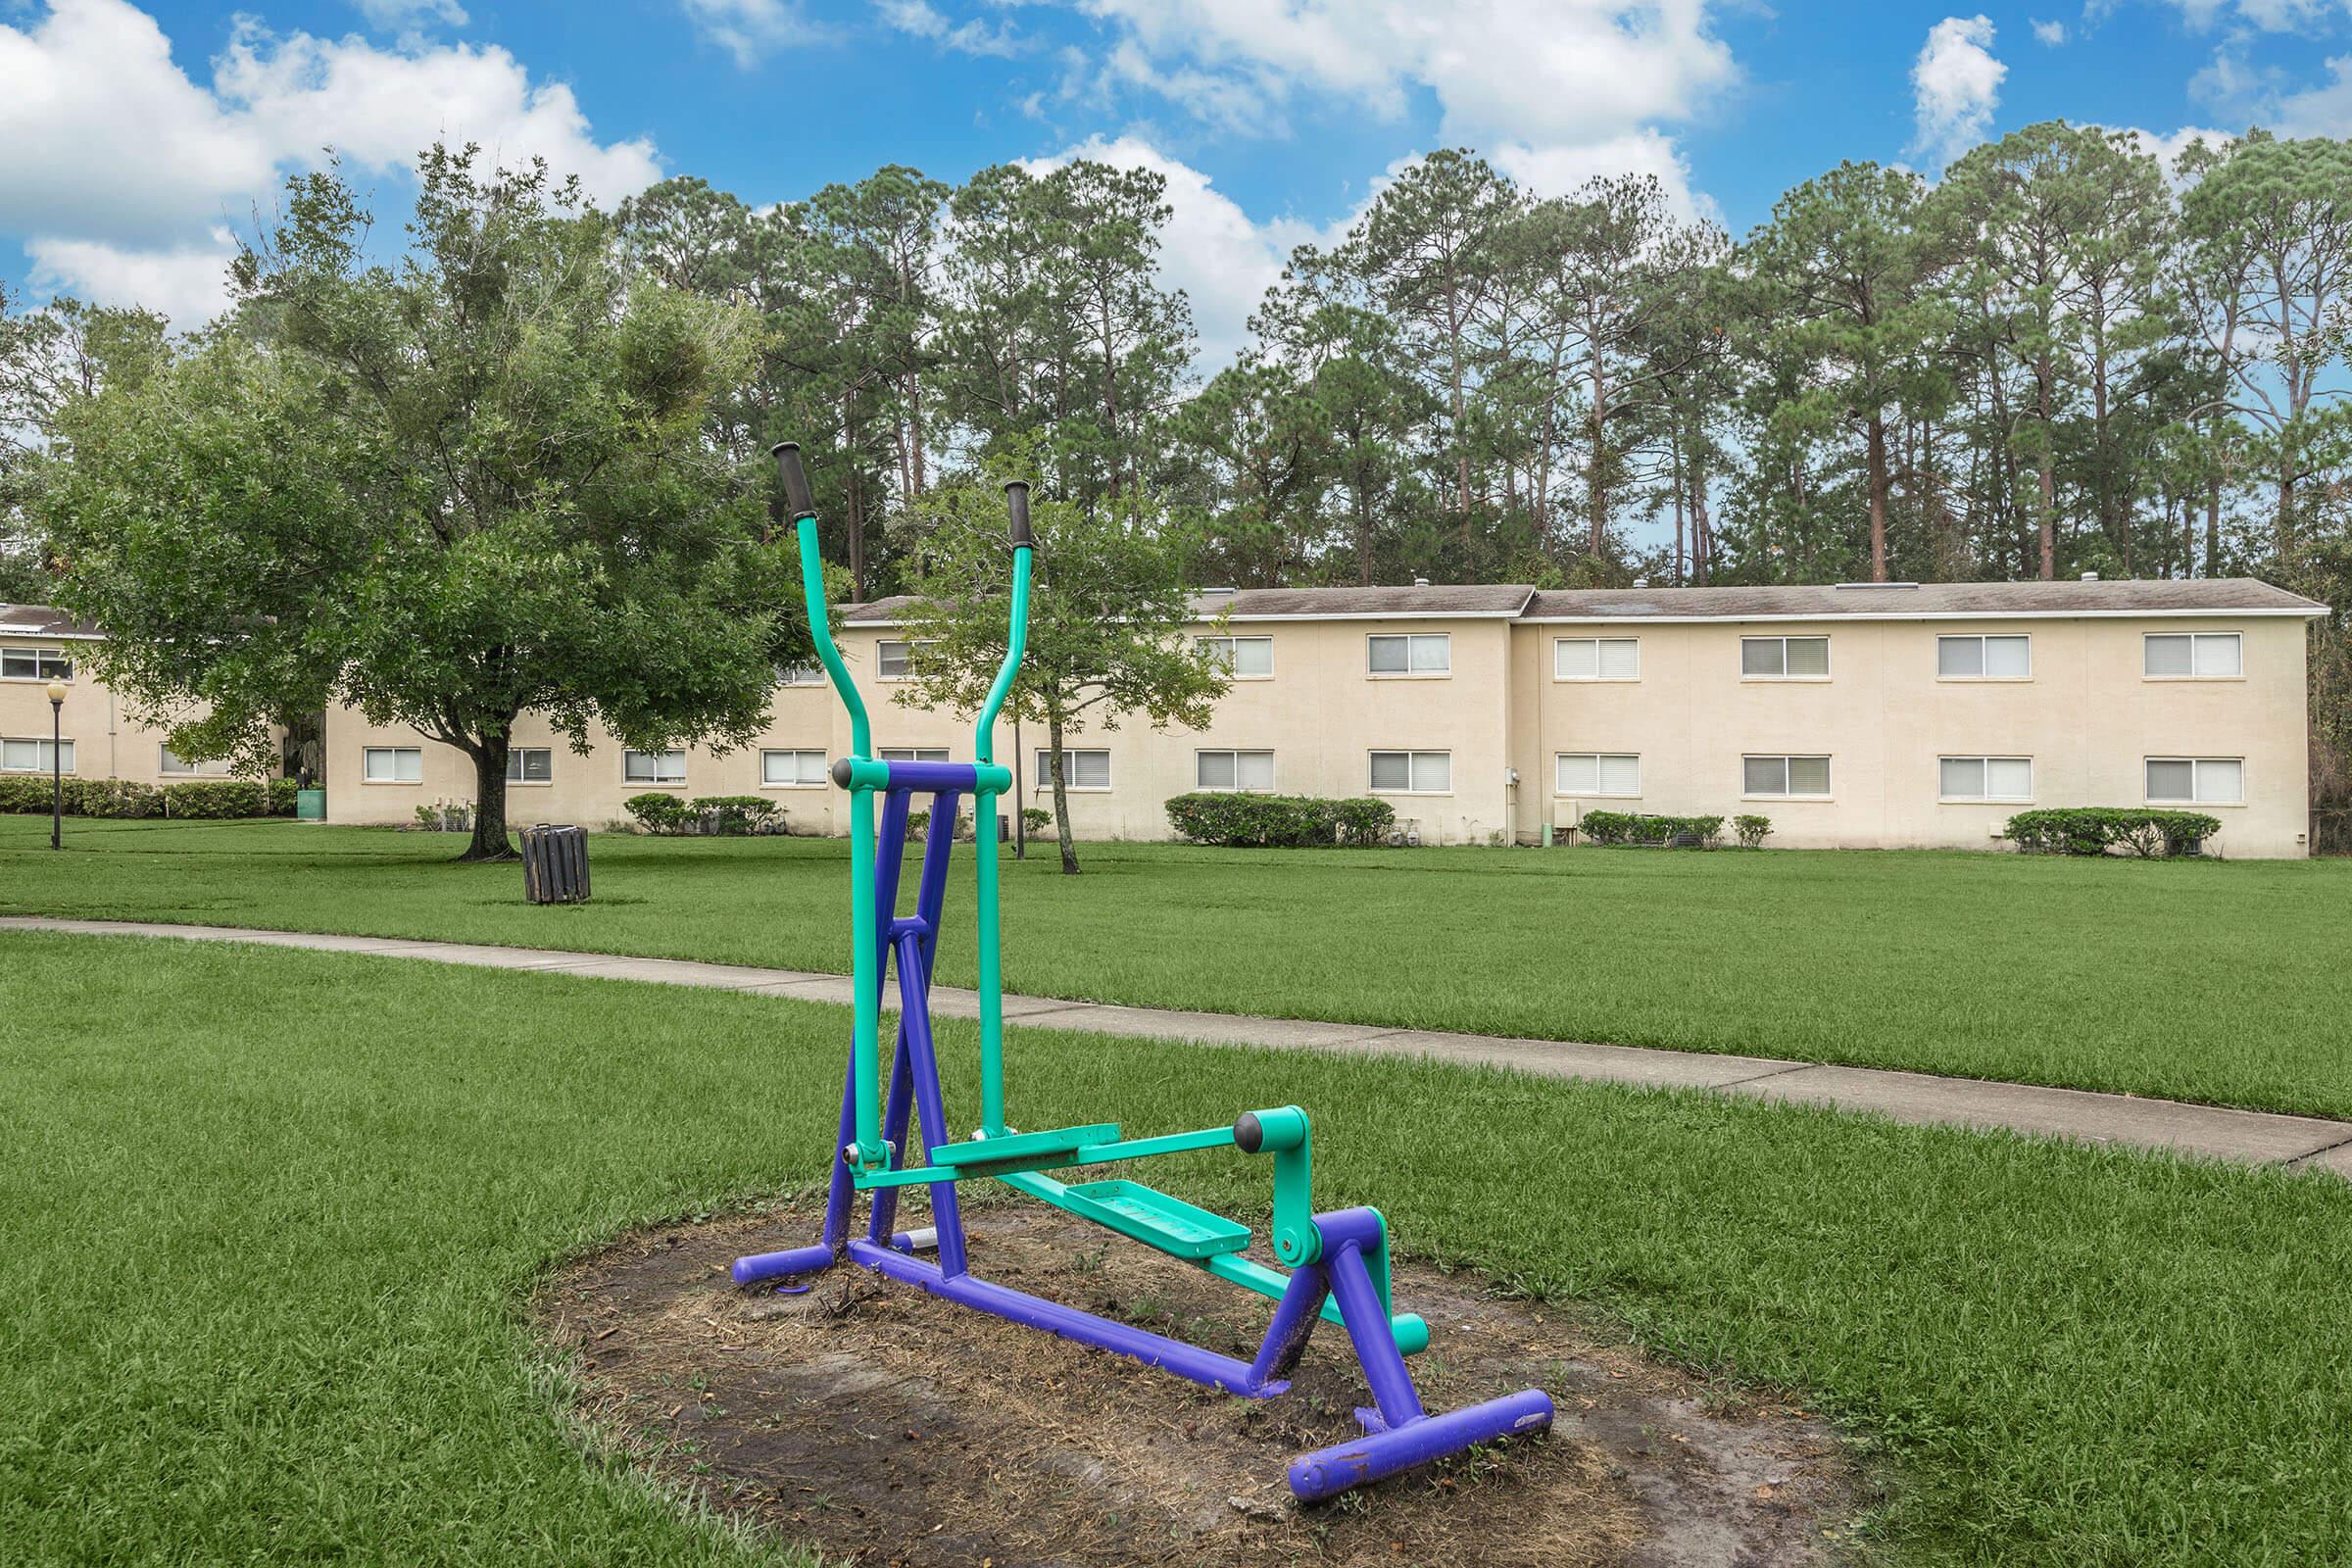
column 2304, row 1142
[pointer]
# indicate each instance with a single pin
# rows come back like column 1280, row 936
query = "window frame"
column 1828, row 667
column 1236, row 753
column 1044, row 777
column 911, row 643
column 165, row 756
column 1985, row 759
column 1408, row 639
column 43, row 658
column 1786, row 760
column 1233, row 640
column 824, row 765
column 1984, row 641
column 2194, row 638
column 393, row 752
column 1597, row 792
column 789, row 675
column 517, row 770
column 1412, row 755
column 39, row 744
column 2197, row 766
column 910, row 754
column 657, row 781
column 1596, row 677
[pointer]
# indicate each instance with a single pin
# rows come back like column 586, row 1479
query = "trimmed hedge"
column 1634, row 827
column 1283, row 822
column 196, row 800
column 2147, row 831
column 657, row 813
column 734, row 816
column 1752, row 829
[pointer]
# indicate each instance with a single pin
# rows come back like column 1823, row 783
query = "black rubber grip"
column 1016, row 501
column 1247, row 1136
column 841, row 771
column 796, row 499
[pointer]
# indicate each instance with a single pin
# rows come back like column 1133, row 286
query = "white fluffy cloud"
column 1552, row 90
column 2052, row 33
column 1222, row 259
column 1956, row 87
column 753, row 30
column 2263, row 15
column 972, row 37
column 1560, row 170
column 122, row 173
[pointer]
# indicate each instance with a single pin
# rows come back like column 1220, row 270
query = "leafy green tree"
column 446, row 490
column 1110, row 621
column 1846, row 289
column 2269, row 225
column 1260, row 430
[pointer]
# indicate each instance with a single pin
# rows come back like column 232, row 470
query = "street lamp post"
column 57, row 764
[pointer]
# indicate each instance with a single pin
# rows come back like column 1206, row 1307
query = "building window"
column 913, row 754
column 2191, row 656
column 1243, row 658
column 1599, row 773
column 2196, row 781
column 800, row 676
column 34, row 756
column 171, row 761
column 1784, row 657
column 1233, row 770
column 1081, row 771
column 1983, row 657
column 35, row 664
column 1596, row 658
column 1787, row 777
column 1422, row 654
column 1078, row 770
column 1986, row 778
column 392, row 764
column 530, row 765
column 653, row 767
column 1412, row 772
column 792, row 769
column 895, row 660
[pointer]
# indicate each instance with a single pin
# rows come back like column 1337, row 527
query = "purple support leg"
column 931, row 1115
column 1294, row 1318
column 1343, row 1466
column 1188, row 1361
column 825, row 1253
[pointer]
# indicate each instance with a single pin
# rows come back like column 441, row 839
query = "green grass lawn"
column 2211, row 981
column 268, row 1219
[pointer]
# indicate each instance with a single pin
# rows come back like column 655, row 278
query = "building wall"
column 107, row 742
column 2086, row 716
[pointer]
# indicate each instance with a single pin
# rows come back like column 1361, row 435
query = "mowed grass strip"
column 2222, row 982
column 268, row 1219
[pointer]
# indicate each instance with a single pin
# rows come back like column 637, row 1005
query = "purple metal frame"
column 1399, row 1434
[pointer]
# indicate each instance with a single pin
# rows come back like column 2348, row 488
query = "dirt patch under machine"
column 884, row 1426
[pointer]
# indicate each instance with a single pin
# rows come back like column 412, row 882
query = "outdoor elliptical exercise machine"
column 1339, row 1261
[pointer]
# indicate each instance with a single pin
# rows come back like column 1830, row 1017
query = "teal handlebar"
column 803, row 504
column 1017, row 636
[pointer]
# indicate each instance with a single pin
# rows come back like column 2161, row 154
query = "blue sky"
column 136, row 141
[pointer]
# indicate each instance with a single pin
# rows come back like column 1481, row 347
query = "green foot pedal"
column 1156, row 1219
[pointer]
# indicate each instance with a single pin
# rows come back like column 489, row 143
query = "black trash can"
column 555, row 863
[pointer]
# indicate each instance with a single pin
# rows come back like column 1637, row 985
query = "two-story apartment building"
column 1860, row 715
column 96, row 738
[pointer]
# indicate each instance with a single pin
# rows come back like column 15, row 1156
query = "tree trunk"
column 1877, row 499
column 1702, row 531
column 2047, row 473
column 490, row 801
column 1061, row 797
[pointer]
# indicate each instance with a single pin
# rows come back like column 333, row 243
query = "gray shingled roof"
column 1926, row 601
column 2167, row 596
column 40, row 621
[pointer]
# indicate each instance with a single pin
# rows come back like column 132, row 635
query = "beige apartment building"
column 96, row 738
column 1860, row 715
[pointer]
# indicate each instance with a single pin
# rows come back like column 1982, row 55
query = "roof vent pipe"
column 2091, row 576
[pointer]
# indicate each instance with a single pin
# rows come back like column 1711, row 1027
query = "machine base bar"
column 1345, row 1466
